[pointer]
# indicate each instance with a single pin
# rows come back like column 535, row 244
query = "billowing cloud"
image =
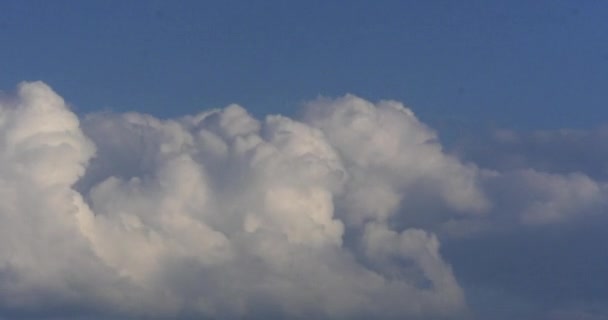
column 352, row 211
column 221, row 215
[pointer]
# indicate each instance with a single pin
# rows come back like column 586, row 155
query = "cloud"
column 221, row 215
column 352, row 211
column 540, row 177
column 538, row 253
column 393, row 160
column 558, row 151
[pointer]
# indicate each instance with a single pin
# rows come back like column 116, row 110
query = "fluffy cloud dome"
column 222, row 215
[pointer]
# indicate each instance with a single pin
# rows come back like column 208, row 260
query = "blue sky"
column 515, row 64
column 480, row 191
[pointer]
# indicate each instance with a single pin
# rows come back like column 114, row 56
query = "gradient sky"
column 539, row 64
column 480, row 191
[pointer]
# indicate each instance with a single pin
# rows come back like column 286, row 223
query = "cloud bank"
column 341, row 214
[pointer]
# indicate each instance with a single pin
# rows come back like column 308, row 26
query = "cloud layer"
column 337, row 215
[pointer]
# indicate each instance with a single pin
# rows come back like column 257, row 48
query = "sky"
column 303, row 160
column 515, row 63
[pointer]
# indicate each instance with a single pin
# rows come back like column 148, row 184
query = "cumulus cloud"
column 352, row 211
column 389, row 153
column 222, row 215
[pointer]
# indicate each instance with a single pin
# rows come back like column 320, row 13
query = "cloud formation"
column 341, row 214
column 222, row 215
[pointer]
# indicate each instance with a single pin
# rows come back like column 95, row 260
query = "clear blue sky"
column 522, row 64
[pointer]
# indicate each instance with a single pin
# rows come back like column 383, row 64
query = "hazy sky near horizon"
column 303, row 160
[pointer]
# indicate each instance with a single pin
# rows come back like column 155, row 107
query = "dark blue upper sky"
column 522, row 64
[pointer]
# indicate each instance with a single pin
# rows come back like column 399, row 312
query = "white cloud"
column 388, row 153
column 222, row 215
column 547, row 198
